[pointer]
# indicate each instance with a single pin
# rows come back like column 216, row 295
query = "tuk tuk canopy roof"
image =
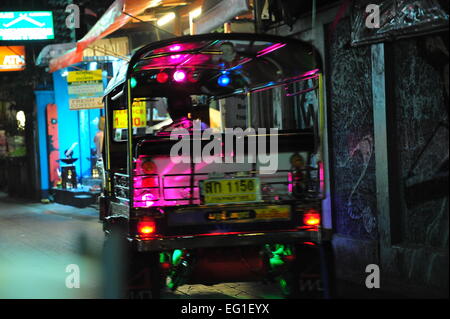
column 215, row 65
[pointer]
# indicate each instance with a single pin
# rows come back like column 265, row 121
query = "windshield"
column 292, row 108
column 243, row 82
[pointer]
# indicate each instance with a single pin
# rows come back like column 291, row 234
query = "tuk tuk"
column 212, row 163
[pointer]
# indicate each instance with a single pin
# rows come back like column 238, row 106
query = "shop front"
column 16, row 126
column 70, row 126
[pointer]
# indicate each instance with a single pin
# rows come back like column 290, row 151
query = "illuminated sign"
column 26, row 25
column 139, row 116
column 12, row 58
column 85, row 89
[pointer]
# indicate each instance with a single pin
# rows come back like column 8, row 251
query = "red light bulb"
column 162, row 77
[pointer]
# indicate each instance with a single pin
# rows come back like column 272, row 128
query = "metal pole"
column 321, row 111
column 107, row 163
column 249, row 110
column 257, row 11
column 130, row 143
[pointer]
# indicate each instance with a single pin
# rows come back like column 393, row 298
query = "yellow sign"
column 84, row 76
column 85, row 89
column 139, row 116
column 86, row 103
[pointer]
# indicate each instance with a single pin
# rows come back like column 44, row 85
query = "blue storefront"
column 60, row 128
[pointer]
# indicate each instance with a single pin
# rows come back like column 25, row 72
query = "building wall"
column 351, row 136
column 417, row 101
column 422, row 146
column 351, row 154
column 387, row 122
column 389, row 101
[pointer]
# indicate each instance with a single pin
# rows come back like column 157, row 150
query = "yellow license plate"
column 232, row 190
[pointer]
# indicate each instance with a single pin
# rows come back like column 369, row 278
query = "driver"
column 179, row 107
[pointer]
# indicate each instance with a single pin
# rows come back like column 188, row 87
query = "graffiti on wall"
column 351, row 133
column 365, row 149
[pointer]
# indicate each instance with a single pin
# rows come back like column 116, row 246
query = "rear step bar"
column 227, row 240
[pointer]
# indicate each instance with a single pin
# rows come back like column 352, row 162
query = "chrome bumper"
column 204, row 241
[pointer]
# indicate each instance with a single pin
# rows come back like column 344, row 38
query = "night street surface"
column 38, row 241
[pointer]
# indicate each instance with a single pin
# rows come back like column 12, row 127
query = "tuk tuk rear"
column 235, row 194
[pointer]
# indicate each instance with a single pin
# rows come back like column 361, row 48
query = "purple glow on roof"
column 188, row 60
column 175, row 47
column 269, row 49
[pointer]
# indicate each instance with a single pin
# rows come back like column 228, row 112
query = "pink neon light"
column 179, row 76
column 322, row 177
column 310, row 72
column 290, row 183
column 269, row 49
column 175, row 47
column 147, row 200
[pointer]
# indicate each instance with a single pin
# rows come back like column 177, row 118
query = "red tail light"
column 146, row 228
column 311, row 218
column 148, row 167
column 149, row 182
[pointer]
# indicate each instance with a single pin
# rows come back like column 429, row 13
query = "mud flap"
column 311, row 273
column 144, row 278
column 128, row 273
column 102, row 208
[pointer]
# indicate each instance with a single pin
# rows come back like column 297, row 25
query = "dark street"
column 246, row 150
column 38, row 241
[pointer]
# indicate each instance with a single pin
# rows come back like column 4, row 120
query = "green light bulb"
column 133, row 83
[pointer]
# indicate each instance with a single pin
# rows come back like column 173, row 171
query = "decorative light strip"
column 269, row 49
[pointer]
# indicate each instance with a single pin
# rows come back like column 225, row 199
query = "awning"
column 51, row 51
column 117, row 15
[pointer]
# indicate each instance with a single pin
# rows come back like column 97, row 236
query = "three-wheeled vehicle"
column 213, row 168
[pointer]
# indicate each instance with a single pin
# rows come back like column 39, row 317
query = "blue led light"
column 223, row 80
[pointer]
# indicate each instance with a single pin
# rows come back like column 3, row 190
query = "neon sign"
column 12, row 58
column 26, row 25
